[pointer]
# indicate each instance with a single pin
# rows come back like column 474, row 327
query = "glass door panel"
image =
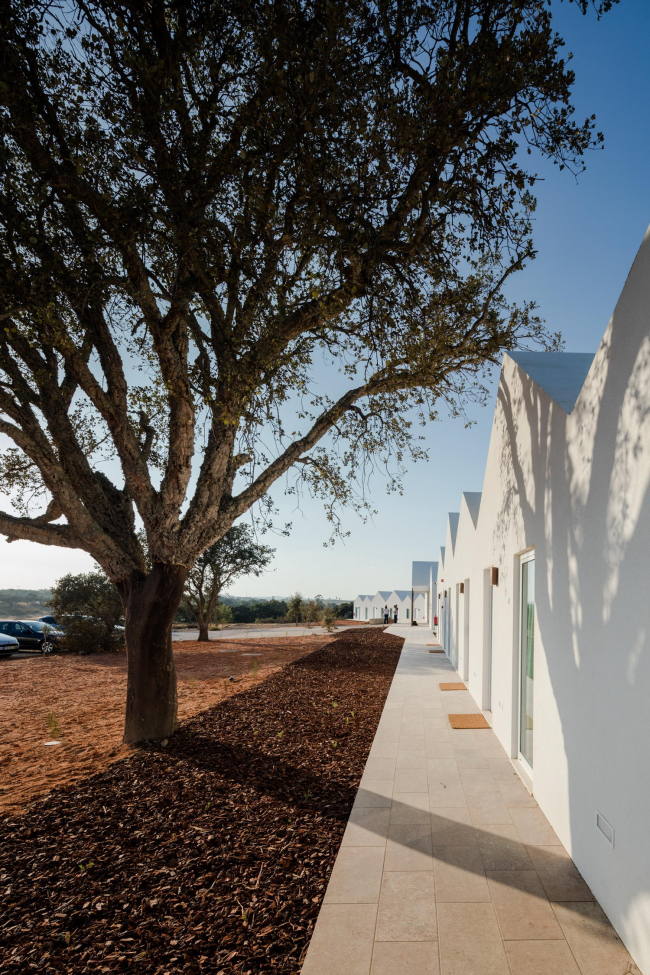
column 527, row 659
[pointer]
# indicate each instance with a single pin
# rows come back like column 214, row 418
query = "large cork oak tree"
column 205, row 204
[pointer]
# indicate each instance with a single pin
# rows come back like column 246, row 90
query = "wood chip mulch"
column 209, row 855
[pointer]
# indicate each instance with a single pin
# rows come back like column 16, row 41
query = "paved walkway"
column 447, row 865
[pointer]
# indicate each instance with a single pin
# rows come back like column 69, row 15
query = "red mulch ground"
column 211, row 855
column 80, row 701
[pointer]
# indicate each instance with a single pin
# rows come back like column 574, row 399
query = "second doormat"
column 467, row 721
column 436, row 650
column 452, row 687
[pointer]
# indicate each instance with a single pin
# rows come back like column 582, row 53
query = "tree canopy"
column 200, row 200
column 239, row 239
column 234, row 555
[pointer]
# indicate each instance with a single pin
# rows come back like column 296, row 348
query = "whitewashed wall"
column 400, row 597
column 575, row 487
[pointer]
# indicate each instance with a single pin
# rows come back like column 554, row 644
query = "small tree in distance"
column 328, row 617
column 89, row 607
column 311, row 611
column 236, row 554
column 295, row 608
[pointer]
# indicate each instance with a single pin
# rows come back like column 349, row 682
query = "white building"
column 544, row 598
column 371, row 607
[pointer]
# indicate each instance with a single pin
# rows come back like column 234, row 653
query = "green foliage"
column 311, row 611
column 223, row 615
column 89, row 607
column 24, row 604
column 205, row 204
column 235, row 555
column 295, row 608
column 345, row 611
column 328, row 617
column 250, row 612
column 184, row 615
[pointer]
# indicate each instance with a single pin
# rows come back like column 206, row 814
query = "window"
column 408, row 614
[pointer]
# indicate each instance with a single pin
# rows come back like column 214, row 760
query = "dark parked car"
column 32, row 634
column 48, row 619
column 8, row 644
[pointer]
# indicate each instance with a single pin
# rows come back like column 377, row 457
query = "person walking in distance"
column 386, row 614
column 395, row 613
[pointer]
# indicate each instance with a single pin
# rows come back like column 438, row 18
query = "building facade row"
column 543, row 598
column 407, row 604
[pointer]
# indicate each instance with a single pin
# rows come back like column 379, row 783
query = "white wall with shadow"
column 573, row 484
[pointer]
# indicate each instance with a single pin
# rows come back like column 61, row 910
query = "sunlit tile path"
column 447, row 865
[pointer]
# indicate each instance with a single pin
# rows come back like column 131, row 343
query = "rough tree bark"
column 150, row 603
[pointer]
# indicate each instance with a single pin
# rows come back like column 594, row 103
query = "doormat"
column 467, row 721
column 437, row 650
column 452, row 687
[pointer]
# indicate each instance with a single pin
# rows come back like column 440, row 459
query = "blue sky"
column 587, row 233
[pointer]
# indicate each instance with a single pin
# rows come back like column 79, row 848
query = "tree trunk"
column 150, row 604
column 203, row 629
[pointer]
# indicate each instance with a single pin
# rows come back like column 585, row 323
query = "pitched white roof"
column 473, row 502
column 453, row 527
column 560, row 374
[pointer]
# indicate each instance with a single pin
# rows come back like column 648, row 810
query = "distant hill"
column 240, row 600
column 24, row 604
column 29, row 604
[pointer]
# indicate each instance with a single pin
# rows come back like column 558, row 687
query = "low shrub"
column 328, row 618
column 84, row 635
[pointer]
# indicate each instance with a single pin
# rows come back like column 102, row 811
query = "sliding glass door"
column 527, row 658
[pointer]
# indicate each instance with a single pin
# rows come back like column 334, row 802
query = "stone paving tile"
column 541, row 958
column 533, row 827
column 356, row 877
column 558, row 873
column 367, row 826
column 490, row 809
column 406, row 907
column 374, row 792
column 452, row 826
column 471, row 758
column 410, row 958
column 412, row 759
column 523, row 912
column 459, row 875
column 408, row 848
column 342, row 941
column 477, row 781
column 386, row 749
column 447, row 865
column 501, row 848
column 380, row 768
column 470, row 942
column 438, row 749
column 410, row 809
column 410, row 780
column 596, row 947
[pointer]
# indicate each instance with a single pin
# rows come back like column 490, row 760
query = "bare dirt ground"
column 211, row 855
column 79, row 702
